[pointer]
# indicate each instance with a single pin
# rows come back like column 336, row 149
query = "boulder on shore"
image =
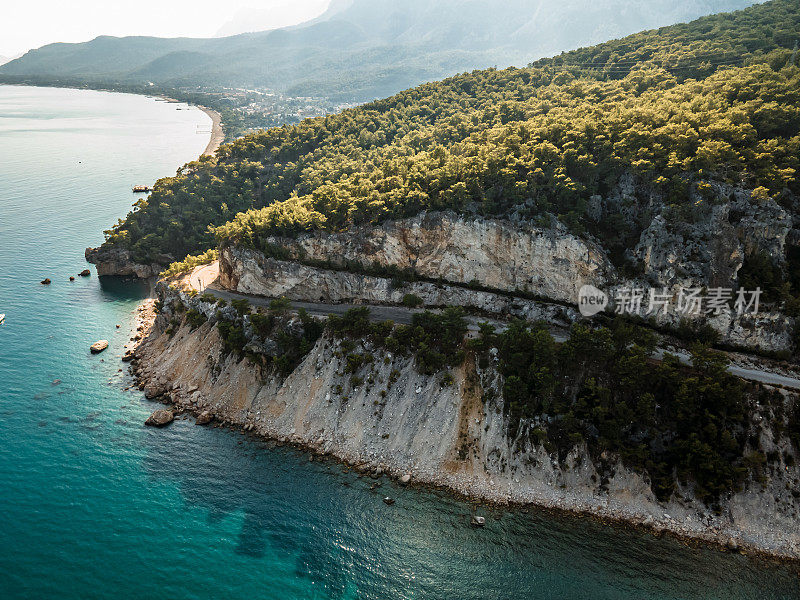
column 99, row 346
column 159, row 418
column 155, row 390
column 45, row 281
column 204, row 418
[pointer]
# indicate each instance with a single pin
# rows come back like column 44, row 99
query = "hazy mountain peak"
column 279, row 14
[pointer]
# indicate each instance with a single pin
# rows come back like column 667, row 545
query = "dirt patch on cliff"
column 466, row 453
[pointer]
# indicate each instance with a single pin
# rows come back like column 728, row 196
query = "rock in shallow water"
column 99, row 346
column 159, row 418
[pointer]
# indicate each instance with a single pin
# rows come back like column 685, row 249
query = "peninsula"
column 463, row 221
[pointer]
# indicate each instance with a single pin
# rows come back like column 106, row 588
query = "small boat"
column 2, row 318
column 137, row 189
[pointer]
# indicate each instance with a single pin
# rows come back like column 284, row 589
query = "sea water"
column 95, row 505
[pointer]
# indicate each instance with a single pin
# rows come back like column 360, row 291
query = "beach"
column 217, row 133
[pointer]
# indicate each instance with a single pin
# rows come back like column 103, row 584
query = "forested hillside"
column 535, row 141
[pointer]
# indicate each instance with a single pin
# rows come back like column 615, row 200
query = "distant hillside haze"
column 279, row 14
column 5, row 59
column 362, row 49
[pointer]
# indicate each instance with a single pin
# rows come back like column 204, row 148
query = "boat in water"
column 2, row 318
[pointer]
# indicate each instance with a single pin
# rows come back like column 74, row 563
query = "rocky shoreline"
column 148, row 367
column 119, row 263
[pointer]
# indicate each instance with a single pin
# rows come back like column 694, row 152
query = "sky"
column 27, row 24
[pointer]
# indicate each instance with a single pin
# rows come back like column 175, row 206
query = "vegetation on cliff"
column 280, row 341
column 692, row 425
column 679, row 424
column 434, row 339
column 190, row 262
column 677, row 107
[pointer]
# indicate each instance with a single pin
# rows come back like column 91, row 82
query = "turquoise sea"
column 95, row 505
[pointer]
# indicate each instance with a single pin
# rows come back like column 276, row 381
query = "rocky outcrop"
column 160, row 418
column 708, row 249
column 250, row 272
column 444, row 431
column 117, row 261
column 204, row 418
column 763, row 331
column 98, row 346
column 493, row 253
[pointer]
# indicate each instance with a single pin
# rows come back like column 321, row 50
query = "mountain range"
column 360, row 49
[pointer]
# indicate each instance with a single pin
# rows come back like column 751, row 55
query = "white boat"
column 2, row 318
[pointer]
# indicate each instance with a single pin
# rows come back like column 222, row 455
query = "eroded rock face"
column 691, row 255
column 496, row 254
column 250, row 272
column 447, row 435
column 710, row 250
column 116, row 261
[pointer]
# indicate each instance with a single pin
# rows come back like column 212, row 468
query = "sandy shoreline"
column 217, row 134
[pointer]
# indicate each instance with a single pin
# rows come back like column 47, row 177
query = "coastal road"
column 767, row 377
column 205, row 278
column 398, row 314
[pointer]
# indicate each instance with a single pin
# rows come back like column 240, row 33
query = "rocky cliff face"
column 501, row 255
column 497, row 254
column 250, row 272
column 708, row 248
column 437, row 431
column 116, row 261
